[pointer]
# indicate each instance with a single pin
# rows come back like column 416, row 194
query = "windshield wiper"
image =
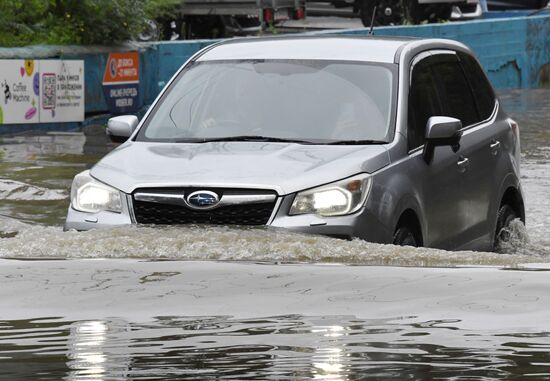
column 356, row 142
column 260, row 138
column 244, row 138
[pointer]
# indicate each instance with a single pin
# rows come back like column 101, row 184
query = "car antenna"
column 371, row 30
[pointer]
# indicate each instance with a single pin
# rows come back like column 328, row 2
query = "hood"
column 283, row 167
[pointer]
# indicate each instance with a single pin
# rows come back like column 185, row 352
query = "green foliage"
column 21, row 21
column 94, row 21
column 87, row 22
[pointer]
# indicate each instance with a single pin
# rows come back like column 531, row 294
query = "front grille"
column 168, row 214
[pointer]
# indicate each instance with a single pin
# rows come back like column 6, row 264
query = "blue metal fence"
column 514, row 51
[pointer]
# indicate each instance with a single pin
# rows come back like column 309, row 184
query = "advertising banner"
column 41, row 91
column 19, row 91
column 121, row 82
column 61, row 91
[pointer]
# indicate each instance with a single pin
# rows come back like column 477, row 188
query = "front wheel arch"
column 513, row 197
column 511, row 207
column 410, row 220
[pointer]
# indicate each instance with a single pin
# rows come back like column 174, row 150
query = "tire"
column 404, row 237
column 505, row 216
column 150, row 31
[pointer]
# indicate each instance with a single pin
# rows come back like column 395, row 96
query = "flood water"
column 221, row 303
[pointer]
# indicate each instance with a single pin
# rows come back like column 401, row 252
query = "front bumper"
column 77, row 220
column 363, row 224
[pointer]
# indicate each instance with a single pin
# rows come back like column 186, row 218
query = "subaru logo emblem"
column 202, row 200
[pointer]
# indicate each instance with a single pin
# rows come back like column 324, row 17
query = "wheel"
column 150, row 31
column 505, row 216
column 404, row 237
column 388, row 12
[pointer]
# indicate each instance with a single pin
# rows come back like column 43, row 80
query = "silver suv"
column 391, row 140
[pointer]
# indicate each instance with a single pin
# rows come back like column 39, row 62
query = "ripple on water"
column 287, row 347
column 20, row 191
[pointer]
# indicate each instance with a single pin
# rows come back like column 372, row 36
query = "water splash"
column 513, row 238
column 22, row 240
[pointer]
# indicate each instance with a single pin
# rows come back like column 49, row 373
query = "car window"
column 317, row 101
column 482, row 89
column 423, row 102
column 456, row 95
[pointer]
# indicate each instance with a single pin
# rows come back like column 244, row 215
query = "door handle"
column 494, row 146
column 463, row 163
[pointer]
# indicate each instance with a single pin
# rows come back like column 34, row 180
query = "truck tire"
column 150, row 31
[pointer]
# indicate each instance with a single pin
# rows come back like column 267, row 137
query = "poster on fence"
column 41, row 91
column 61, row 91
column 19, row 91
column 121, row 82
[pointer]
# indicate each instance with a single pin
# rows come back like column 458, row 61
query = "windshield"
column 301, row 101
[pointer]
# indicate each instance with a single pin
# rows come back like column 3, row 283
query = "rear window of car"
column 482, row 89
column 456, row 94
column 451, row 84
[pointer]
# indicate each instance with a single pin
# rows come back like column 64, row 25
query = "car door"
column 483, row 142
column 441, row 183
column 475, row 154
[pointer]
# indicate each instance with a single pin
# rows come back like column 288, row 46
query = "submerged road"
column 473, row 298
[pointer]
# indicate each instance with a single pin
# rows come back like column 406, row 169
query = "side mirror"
column 121, row 127
column 441, row 131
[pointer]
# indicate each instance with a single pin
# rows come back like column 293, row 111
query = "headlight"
column 336, row 199
column 91, row 196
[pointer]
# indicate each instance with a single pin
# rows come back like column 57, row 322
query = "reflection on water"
column 86, row 356
column 279, row 348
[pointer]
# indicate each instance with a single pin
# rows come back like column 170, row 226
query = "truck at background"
column 222, row 18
